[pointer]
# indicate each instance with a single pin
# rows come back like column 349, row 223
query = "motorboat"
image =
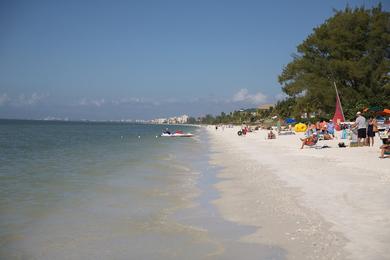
column 176, row 134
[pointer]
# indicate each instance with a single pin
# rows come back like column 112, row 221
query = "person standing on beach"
column 279, row 125
column 372, row 128
column 370, row 132
column 375, row 125
column 360, row 123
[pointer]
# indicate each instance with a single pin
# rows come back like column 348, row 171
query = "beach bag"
column 342, row 145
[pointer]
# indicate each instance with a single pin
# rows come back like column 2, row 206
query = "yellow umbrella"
column 300, row 127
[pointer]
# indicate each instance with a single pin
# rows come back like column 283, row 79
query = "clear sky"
column 146, row 59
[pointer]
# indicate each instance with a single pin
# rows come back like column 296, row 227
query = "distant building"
column 159, row 121
column 182, row 119
column 172, row 120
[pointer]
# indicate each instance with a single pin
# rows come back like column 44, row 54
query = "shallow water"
column 97, row 191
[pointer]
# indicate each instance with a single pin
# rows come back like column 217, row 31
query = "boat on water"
column 176, row 134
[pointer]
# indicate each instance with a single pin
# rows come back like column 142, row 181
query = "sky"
column 110, row 60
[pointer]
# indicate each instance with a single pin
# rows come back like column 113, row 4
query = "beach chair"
column 312, row 142
column 386, row 153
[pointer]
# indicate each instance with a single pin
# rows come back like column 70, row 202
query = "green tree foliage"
column 352, row 49
column 208, row 119
column 285, row 108
column 191, row 120
column 237, row 117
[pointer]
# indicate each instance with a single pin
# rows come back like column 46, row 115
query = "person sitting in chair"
column 309, row 141
column 330, row 128
column 385, row 148
column 271, row 135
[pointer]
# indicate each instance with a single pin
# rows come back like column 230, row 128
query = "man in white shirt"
column 360, row 123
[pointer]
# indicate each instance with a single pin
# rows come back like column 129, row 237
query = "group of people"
column 366, row 130
column 324, row 128
column 314, row 131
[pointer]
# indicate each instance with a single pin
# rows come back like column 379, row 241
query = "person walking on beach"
column 360, row 123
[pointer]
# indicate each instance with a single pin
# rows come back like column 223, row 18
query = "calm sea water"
column 73, row 190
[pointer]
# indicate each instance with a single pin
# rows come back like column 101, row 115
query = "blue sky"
column 148, row 59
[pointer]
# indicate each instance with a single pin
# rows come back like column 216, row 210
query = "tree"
column 191, row 120
column 208, row 119
column 352, row 49
column 285, row 108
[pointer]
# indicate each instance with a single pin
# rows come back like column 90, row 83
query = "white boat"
column 177, row 134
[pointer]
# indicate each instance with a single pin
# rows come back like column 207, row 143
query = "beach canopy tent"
column 290, row 121
column 378, row 110
column 384, row 112
column 373, row 109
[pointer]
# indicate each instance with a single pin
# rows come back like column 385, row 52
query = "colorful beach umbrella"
column 290, row 120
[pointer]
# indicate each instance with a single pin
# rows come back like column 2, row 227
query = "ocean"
column 88, row 190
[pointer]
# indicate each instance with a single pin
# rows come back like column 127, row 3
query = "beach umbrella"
column 290, row 120
column 300, row 127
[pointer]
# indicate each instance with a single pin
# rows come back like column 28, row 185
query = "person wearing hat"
column 360, row 123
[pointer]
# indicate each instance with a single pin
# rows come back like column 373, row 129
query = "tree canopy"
column 352, row 49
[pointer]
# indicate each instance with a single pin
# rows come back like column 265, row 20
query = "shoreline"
column 315, row 203
column 202, row 214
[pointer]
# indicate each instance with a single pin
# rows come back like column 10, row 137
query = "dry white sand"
column 331, row 203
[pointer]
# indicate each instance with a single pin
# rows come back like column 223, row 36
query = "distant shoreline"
column 95, row 121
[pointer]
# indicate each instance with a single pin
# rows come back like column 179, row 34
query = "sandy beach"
column 330, row 203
